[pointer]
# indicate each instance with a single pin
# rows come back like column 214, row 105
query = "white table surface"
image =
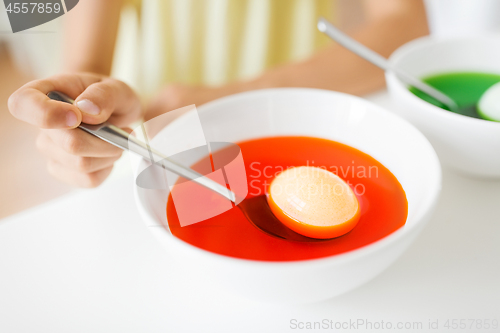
column 86, row 263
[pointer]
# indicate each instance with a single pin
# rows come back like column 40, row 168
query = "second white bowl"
column 469, row 145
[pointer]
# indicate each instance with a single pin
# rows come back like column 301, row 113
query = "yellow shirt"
column 214, row 41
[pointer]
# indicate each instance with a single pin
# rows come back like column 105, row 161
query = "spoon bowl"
column 258, row 212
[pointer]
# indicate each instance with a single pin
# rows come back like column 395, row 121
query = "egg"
column 313, row 202
column 489, row 104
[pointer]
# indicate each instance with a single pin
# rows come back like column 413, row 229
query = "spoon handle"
column 364, row 52
column 121, row 139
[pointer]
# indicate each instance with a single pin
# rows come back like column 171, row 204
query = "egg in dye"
column 313, row 202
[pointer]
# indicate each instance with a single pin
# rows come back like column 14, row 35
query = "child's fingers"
column 79, row 143
column 109, row 98
column 81, row 164
column 31, row 104
column 97, row 99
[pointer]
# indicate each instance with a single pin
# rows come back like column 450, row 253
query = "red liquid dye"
column 384, row 207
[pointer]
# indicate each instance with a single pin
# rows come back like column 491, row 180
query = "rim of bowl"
column 429, row 201
column 421, row 43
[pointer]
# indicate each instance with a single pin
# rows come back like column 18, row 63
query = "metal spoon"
column 331, row 31
column 255, row 209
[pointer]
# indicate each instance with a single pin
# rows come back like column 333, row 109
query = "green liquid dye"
column 464, row 88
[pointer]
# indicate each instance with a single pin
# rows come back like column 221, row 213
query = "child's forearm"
column 338, row 69
column 90, row 34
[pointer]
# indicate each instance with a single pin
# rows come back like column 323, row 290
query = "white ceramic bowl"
column 317, row 113
column 466, row 144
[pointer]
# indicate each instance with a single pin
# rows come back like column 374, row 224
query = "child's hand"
column 74, row 156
